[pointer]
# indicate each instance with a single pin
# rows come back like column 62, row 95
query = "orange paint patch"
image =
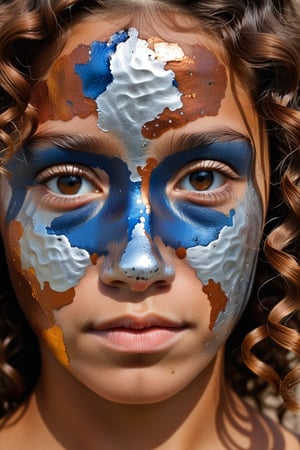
column 181, row 253
column 61, row 96
column 217, row 299
column 202, row 81
column 94, row 258
column 145, row 174
column 55, row 339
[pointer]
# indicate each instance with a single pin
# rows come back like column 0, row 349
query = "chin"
column 147, row 385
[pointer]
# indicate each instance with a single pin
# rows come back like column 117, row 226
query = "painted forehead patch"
column 133, row 85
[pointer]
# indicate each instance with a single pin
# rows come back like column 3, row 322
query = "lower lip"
column 146, row 340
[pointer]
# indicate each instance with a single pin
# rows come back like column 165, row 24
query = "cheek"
column 52, row 259
column 36, row 301
column 44, row 271
column 226, row 266
column 55, row 262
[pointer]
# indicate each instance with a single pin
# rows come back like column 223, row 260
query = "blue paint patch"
column 175, row 83
column 94, row 225
column 92, row 228
column 96, row 74
column 184, row 223
column 137, row 211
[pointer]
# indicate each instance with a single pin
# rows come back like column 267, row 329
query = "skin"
column 135, row 328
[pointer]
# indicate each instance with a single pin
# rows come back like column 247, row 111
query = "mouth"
column 138, row 335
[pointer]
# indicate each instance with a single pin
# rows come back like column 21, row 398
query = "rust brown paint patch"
column 217, row 299
column 36, row 302
column 33, row 311
column 181, row 252
column 48, row 299
column 202, row 81
column 61, row 97
column 94, row 258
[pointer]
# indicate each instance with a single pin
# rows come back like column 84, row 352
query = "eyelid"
column 208, row 165
column 211, row 198
column 101, row 182
column 52, row 200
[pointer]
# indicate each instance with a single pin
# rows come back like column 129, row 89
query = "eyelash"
column 49, row 179
column 69, row 201
column 213, row 197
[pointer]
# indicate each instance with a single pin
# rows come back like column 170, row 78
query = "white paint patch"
column 231, row 260
column 138, row 260
column 51, row 257
column 166, row 51
column 141, row 89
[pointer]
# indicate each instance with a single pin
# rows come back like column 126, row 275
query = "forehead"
column 195, row 58
column 103, row 75
column 132, row 66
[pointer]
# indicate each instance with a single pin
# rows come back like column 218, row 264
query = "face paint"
column 213, row 241
column 150, row 223
column 36, row 302
column 68, row 239
column 123, row 205
column 200, row 79
column 226, row 266
column 55, row 338
column 139, row 92
column 52, row 257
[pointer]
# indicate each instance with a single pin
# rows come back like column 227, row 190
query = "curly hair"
column 262, row 45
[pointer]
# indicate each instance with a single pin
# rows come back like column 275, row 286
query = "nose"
column 139, row 265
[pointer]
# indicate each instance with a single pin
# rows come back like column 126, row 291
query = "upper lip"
column 136, row 323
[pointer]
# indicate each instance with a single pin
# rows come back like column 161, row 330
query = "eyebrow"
column 187, row 141
column 104, row 144
column 203, row 139
column 111, row 146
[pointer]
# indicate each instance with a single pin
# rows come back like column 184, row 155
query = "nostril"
column 162, row 284
column 114, row 276
column 141, row 285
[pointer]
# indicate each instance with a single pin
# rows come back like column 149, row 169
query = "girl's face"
column 132, row 221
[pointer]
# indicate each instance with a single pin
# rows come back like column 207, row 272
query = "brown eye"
column 69, row 184
column 201, row 180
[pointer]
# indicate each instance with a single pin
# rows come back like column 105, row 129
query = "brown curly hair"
column 262, row 44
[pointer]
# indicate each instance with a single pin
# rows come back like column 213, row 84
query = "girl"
column 145, row 148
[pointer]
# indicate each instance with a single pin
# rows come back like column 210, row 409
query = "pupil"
column 202, row 180
column 69, row 184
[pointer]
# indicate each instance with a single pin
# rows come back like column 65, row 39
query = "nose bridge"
column 139, row 259
column 138, row 263
column 139, row 216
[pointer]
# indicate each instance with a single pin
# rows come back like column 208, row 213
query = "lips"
column 138, row 334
